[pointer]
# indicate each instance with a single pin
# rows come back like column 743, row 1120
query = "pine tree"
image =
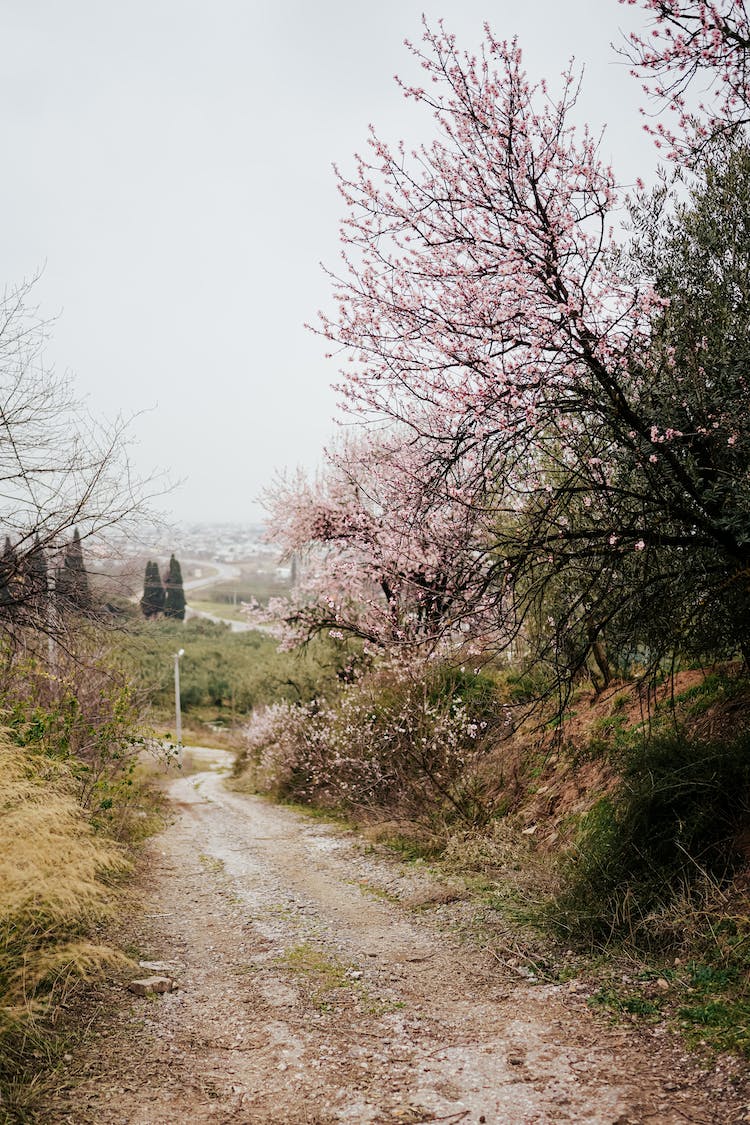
column 174, row 604
column 152, row 602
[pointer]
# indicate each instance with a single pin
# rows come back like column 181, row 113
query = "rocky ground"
column 316, row 983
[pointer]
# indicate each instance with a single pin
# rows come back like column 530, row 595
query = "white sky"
column 168, row 166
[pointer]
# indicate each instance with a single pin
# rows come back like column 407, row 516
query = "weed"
column 376, row 1007
column 323, row 975
column 625, row 1003
column 212, row 864
column 414, row 848
column 378, row 893
column 723, row 1025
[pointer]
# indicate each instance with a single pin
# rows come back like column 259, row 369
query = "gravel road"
column 317, row 983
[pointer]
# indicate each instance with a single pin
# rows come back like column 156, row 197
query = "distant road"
column 235, row 626
column 226, row 572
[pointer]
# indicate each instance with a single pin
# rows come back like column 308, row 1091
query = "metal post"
column 177, row 709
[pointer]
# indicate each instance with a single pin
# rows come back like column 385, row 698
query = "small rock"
column 148, row 986
column 662, row 984
column 159, row 968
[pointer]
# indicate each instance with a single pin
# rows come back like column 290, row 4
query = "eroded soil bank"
column 310, row 991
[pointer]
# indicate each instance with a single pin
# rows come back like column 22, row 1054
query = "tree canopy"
column 554, row 409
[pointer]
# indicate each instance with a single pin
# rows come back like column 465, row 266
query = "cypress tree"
column 36, row 579
column 152, row 602
column 72, row 579
column 174, row 603
column 8, row 579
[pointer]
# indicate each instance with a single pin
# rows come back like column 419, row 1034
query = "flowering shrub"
column 397, row 740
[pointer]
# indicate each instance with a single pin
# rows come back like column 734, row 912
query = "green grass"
column 414, row 849
column 672, row 823
column 715, row 1008
column 319, row 975
column 252, row 585
column 704, row 1002
column 226, row 610
column 623, row 1003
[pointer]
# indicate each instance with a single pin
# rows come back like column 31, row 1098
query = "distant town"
column 217, row 542
column 235, row 555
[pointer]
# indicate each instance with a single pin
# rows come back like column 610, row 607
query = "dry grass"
column 56, row 883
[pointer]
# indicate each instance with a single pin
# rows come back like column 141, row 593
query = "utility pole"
column 177, row 709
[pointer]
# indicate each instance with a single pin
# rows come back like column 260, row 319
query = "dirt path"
column 308, row 995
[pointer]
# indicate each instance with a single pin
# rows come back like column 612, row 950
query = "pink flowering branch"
column 689, row 43
column 383, row 556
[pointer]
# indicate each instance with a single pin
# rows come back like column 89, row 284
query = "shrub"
column 411, row 741
column 674, row 822
column 86, row 716
column 221, row 669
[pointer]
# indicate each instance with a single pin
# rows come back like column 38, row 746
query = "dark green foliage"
column 673, row 822
column 475, row 690
column 627, row 568
column 223, row 671
column 36, row 579
column 174, row 602
column 152, row 602
column 72, row 584
column 8, row 581
column 24, row 596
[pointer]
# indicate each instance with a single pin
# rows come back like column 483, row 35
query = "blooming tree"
column 386, row 558
column 489, row 311
column 687, row 41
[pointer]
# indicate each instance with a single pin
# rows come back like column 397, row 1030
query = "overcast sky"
column 168, row 169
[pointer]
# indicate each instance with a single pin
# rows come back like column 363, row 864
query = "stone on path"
column 160, row 968
column 148, row 986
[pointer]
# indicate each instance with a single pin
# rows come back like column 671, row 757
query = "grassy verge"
column 58, row 884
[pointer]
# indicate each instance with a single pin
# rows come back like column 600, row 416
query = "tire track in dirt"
column 304, row 999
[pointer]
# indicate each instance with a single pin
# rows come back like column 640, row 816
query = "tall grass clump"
column 675, row 827
column 56, row 885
